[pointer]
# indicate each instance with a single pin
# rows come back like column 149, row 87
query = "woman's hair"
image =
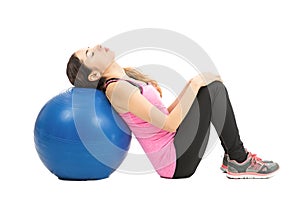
column 78, row 74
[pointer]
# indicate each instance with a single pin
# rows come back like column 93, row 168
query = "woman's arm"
column 183, row 105
column 208, row 78
column 172, row 106
column 127, row 98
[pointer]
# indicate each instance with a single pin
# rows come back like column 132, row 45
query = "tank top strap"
column 112, row 80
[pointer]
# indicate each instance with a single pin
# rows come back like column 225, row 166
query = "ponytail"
column 135, row 74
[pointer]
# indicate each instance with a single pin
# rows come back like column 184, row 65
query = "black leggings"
column 212, row 104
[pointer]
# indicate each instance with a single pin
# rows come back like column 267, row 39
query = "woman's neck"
column 114, row 71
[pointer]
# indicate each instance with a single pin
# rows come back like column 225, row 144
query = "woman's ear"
column 94, row 76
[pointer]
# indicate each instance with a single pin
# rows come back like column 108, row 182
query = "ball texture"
column 78, row 135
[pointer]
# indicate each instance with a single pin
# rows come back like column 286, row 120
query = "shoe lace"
column 256, row 161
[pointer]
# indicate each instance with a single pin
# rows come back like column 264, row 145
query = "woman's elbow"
column 170, row 126
column 171, row 130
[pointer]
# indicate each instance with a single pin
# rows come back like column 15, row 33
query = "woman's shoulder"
column 119, row 94
column 119, row 88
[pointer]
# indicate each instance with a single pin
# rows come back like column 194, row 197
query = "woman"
column 173, row 138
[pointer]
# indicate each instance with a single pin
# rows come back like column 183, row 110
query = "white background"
column 254, row 45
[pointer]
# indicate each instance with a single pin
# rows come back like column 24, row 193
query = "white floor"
column 32, row 180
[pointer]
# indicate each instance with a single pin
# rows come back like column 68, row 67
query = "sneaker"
column 224, row 166
column 252, row 167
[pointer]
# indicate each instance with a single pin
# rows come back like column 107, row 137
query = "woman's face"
column 97, row 58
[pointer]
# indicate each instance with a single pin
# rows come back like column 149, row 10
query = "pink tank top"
column 158, row 144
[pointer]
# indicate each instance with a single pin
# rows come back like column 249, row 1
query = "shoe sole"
column 250, row 175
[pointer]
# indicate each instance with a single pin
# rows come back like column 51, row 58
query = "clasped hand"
column 205, row 78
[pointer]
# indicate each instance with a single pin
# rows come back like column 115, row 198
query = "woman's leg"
column 212, row 104
column 224, row 122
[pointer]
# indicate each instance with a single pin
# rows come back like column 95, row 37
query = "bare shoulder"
column 119, row 94
column 119, row 88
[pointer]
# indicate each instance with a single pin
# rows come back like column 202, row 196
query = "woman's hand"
column 204, row 79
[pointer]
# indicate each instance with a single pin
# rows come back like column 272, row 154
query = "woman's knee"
column 216, row 84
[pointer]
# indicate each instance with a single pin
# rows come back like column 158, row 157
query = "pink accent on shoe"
column 224, row 168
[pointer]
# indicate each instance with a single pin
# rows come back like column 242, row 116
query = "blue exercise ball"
column 78, row 135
